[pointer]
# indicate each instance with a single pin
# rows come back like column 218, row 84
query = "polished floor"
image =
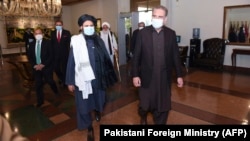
column 208, row 98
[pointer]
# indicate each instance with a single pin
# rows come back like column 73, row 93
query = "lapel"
column 42, row 48
column 61, row 34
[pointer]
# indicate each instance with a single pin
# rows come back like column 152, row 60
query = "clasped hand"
column 38, row 67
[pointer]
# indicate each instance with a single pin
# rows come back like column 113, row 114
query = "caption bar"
column 212, row 132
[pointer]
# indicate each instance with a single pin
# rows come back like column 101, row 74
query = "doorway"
column 126, row 23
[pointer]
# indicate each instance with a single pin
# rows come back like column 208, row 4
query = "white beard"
column 105, row 32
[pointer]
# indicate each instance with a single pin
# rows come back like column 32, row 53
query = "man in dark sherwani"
column 156, row 55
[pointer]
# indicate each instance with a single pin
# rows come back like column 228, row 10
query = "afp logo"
column 234, row 133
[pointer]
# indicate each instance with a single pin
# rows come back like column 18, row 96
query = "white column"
column 168, row 4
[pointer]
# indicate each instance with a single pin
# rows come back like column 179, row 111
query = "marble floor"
column 208, row 98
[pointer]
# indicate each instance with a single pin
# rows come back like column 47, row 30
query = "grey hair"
column 162, row 8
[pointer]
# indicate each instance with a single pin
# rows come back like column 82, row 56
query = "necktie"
column 58, row 36
column 38, row 52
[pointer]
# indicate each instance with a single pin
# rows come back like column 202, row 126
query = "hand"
column 71, row 88
column 115, row 50
column 41, row 66
column 180, row 82
column 37, row 67
column 137, row 81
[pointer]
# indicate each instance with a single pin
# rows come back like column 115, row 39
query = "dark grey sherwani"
column 155, row 58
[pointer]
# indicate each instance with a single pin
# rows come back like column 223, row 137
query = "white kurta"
column 112, row 42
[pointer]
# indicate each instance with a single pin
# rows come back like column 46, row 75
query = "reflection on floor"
column 208, row 97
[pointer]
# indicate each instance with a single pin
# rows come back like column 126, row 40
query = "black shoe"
column 97, row 116
column 64, row 86
column 60, row 82
column 57, row 101
column 143, row 115
column 90, row 136
column 143, row 121
column 58, row 95
column 38, row 105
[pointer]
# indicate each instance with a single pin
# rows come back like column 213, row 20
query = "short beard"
column 90, row 36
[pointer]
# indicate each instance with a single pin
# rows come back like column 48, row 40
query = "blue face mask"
column 89, row 30
column 157, row 23
column 58, row 27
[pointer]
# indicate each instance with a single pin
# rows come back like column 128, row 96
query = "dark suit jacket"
column 61, row 49
column 142, row 61
column 133, row 41
column 27, row 36
column 46, row 54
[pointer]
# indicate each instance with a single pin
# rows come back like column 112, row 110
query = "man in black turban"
column 86, row 17
column 90, row 61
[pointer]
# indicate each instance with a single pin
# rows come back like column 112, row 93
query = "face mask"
column 90, row 30
column 39, row 36
column 157, row 23
column 58, row 27
column 140, row 28
column 30, row 40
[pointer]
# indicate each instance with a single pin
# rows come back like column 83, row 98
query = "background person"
column 28, row 37
column 60, row 39
column 141, row 25
column 41, row 59
column 109, row 39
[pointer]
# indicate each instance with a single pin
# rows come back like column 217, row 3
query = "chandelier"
column 30, row 8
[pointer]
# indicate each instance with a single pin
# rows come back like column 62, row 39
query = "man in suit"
column 60, row 39
column 28, row 37
column 141, row 25
column 41, row 59
column 156, row 55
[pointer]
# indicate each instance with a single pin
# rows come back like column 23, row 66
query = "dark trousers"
column 158, row 117
column 60, row 70
column 42, row 77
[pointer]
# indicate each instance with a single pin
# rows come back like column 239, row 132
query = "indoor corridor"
column 208, row 97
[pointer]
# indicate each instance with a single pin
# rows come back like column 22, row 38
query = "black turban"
column 86, row 17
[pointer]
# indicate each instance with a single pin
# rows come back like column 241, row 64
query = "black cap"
column 86, row 17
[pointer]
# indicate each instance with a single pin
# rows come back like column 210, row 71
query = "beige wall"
column 107, row 10
column 183, row 16
column 204, row 14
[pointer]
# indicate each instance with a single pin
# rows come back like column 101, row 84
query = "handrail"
column 18, row 46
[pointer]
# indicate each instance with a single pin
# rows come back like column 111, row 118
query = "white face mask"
column 157, row 23
column 140, row 28
column 89, row 30
column 39, row 37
